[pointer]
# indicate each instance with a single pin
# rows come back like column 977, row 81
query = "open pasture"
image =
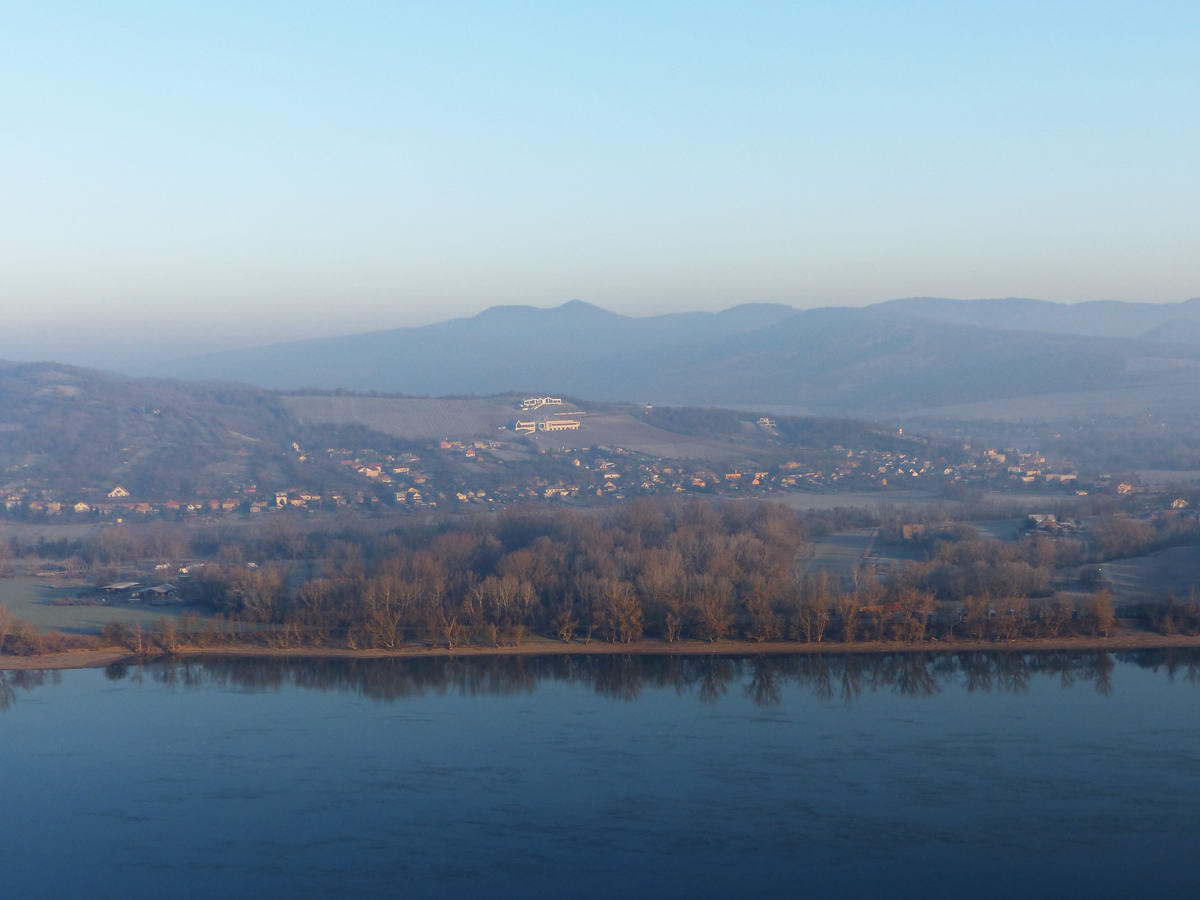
column 414, row 418
column 617, row 428
column 1151, row 577
column 32, row 599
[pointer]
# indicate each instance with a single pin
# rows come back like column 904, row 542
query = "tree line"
column 669, row 570
column 652, row 569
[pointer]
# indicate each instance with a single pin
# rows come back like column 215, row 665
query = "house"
column 532, row 403
column 559, row 425
column 159, row 595
column 118, row 492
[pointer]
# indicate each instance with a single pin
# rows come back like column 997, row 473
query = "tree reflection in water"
column 763, row 679
column 24, row 680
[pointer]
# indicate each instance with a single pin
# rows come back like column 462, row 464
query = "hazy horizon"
column 84, row 349
column 535, row 449
column 183, row 179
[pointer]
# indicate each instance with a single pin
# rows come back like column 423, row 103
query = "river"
column 907, row 775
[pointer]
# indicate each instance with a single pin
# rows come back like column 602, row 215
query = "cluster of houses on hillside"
column 618, row 473
column 1012, row 467
column 496, row 472
column 38, row 503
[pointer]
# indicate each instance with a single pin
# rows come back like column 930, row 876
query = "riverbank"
column 1123, row 640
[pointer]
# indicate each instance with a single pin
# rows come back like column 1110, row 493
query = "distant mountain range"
column 1094, row 318
column 916, row 354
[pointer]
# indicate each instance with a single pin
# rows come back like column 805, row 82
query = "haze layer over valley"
column 926, row 355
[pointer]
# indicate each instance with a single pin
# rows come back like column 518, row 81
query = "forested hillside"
column 78, row 429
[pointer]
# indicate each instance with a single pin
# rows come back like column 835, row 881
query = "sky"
column 178, row 176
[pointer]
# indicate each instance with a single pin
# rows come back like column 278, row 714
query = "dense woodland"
column 664, row 570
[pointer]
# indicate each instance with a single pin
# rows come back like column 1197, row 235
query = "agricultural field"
column 57, row 531
column 1000, row 529
column 806, row 501
column 1067, row 405
column 414, row 418
column 840, row 554
column 1150, row 577
column 617, row 428
column 1164, row 477
column 32, row 599
column 420, row 418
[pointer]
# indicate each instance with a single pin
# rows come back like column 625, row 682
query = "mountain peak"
column 582, row 307
column 574, row 308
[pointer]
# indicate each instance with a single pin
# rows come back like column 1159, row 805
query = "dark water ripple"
column 985, row 775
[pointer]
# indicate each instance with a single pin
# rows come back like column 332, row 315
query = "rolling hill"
column 77, row 428
column 72, row 433
column 1094, row 318
column 898, row 357
column 504, row 348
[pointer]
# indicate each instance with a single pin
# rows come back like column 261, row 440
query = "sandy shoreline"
column 1128, row 640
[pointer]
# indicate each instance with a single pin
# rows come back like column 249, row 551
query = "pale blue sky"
column 243, row 172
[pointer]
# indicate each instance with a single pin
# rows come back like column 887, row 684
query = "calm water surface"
column 985, row 775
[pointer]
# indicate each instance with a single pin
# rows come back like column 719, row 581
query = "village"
column 501, row 471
